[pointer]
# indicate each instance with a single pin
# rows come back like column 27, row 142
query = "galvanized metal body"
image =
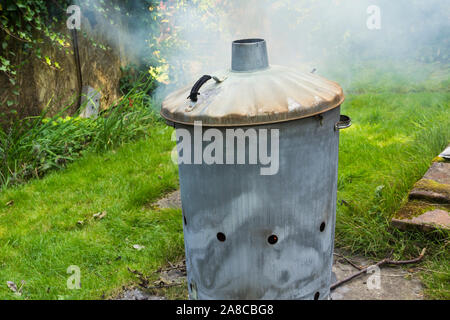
column 298, row 206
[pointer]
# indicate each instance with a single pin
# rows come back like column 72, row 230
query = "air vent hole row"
column 273, row 239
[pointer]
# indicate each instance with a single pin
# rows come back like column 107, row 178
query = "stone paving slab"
column 428, row 208
column 171, row 201
column 395, row 283
column 439, row 172
column 137, row 294
column 435, row 185
column 428, row 221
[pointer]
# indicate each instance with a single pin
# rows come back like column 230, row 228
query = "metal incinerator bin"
column 251, row 233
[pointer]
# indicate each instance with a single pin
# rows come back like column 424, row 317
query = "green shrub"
column 33, row 146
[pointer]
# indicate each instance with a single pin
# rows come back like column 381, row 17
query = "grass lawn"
column 40, row 237
column 390, row 146
column 396, row 134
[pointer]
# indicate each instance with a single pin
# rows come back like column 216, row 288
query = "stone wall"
column 41, row 85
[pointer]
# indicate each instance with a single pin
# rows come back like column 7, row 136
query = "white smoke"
column 334, row 36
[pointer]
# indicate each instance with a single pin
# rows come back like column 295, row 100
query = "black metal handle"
column 344, row 123
column 196, row 88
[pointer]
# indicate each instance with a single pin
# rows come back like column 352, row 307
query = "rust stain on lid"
column 277, row 94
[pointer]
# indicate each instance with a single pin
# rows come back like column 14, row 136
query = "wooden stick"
column 379, row 264
column 349, row 261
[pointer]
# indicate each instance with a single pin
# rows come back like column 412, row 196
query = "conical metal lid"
column 252, row 93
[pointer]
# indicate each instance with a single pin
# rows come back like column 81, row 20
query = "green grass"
column 40, row 237
column 398, row 128
column 390, row 146
column 34, row 146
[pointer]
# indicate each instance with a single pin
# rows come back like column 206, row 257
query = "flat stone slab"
column 435, row 185
column 395, row 283
column 428, row 221
column 171, row 201
column 428, row 207
column 439, row 172
column 175, row 275
column 137, row 294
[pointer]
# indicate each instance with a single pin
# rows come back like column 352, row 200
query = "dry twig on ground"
column 385, row 261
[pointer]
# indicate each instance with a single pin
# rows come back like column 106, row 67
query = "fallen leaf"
column 10, row 203
column 13, row 287
column 163, row 281
column 100, row 215
column 138, row 247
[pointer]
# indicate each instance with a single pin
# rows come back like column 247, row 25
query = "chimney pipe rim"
column 250, row 41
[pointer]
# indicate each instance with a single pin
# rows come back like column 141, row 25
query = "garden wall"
column 38, row 83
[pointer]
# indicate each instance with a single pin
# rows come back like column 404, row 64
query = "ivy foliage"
column 149, row 26
column 29, row 24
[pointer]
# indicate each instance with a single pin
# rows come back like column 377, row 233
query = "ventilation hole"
column 272, row 239
column 317, row 296
column 221, row 237
column 185, row 221
column 322, row 227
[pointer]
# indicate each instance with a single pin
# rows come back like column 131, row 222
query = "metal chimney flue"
column 249, row 55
